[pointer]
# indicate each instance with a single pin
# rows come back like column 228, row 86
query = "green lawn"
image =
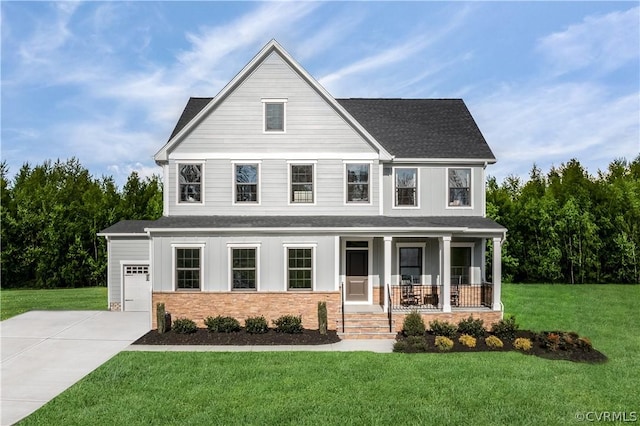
column 365, row 388
column 15, row 302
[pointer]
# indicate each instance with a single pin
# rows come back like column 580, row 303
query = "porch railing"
column 429, row 297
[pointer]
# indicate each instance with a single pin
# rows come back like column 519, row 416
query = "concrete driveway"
column 45, row 352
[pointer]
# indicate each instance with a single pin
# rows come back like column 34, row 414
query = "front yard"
column 16, row 302
column 367, row 388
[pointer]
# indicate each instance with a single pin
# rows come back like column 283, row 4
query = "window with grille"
column 136, row 270
column 188, row 268
column 300, row 268
column 406, row 186
column 301, row 183
column 190, row 183
column 243, row 268
column 357, row 183
column 274, row 116
column 460, row 187
column 246, row 183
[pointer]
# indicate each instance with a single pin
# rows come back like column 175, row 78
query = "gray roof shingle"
column 406, row 222
column 128, row 227
column 407, row 128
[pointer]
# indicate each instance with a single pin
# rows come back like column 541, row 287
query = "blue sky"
column 106, row 81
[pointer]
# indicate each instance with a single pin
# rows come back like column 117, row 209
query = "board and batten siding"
column 124, row 249
column 216, row 265
column 274, row 190
column 434, row 193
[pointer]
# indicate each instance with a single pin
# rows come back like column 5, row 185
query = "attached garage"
column 136, row 288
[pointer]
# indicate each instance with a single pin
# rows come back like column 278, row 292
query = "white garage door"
column 137, row 289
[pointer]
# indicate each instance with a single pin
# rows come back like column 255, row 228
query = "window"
column 187, row 268
column 460, row 187
column 406, row 187
column 190, row 183
column 410, row 264
column 243, row 268
column 460, row 265
column 274, row 116
column 246, row 183
column 357, row 183
column 301, row 183
column 299, row 268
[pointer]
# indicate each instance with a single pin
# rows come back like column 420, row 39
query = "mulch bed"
column 592, row 356
column 241, row 338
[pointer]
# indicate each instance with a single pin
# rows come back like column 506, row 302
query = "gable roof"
column 126, row 228
column 191, row 120
column 421, row 128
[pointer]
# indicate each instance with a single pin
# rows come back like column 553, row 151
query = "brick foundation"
column 242, row 305
column 115, row 306
column 489, row 317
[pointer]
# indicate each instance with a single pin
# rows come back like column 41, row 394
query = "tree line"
column 568, row 226
column 50, row 215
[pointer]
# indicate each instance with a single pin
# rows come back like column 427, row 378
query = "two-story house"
column 278, row 196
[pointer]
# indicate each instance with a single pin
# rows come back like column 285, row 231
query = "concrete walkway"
column 45, row 352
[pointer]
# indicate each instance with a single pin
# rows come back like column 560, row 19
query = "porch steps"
column 365, row 325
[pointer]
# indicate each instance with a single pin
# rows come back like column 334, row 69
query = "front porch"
column 408, row 297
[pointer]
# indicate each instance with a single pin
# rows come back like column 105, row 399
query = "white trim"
column 124, row 263
column 483, row 191
column 430, row 232
column 272, row 46
column 257, row 163
column 180, row 245
column 165, row 189
column 202, row 179
column 380, row 189
column 471, row 189
column 266, row 101
column 352, row 157
column 393, row 191
column 312, row 246
column 230, row 247
column 369, row 249
column 423, row 246
column 336, row 263
column 345, row 184
column 314, row 185
column 465, row 161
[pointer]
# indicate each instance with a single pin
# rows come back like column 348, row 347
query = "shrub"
column 493, row 342
column 444, row 343
column 472, row 327
column 413, row 324
column 290, row 324
column 467, row 340
column 417, row 344
column 222, row 324
column 256, row 325
column 400, row 346
column 443, row 328
column 522, row 344
column 322, row 317
column 506, row 328
column 184, row 326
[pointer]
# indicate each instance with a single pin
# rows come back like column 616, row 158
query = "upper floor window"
column 301, row 183
column 459, row 187
column 274, row 115
column 188, row 268
column 190, row 183
column 358, row 182
column 246, row 183
column 406, row 187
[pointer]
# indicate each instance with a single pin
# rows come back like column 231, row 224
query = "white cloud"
column 606, row 42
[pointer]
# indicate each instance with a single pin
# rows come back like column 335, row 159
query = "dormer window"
column 190, row 183
column 274, row 115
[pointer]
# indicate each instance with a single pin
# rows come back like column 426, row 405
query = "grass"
column 16, row 302
column 367, row 388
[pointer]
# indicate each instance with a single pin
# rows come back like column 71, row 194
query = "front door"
column 357, row 276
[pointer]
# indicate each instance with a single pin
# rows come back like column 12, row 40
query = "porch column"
column 497, row 273
column 387, row 271
column 446, row 273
